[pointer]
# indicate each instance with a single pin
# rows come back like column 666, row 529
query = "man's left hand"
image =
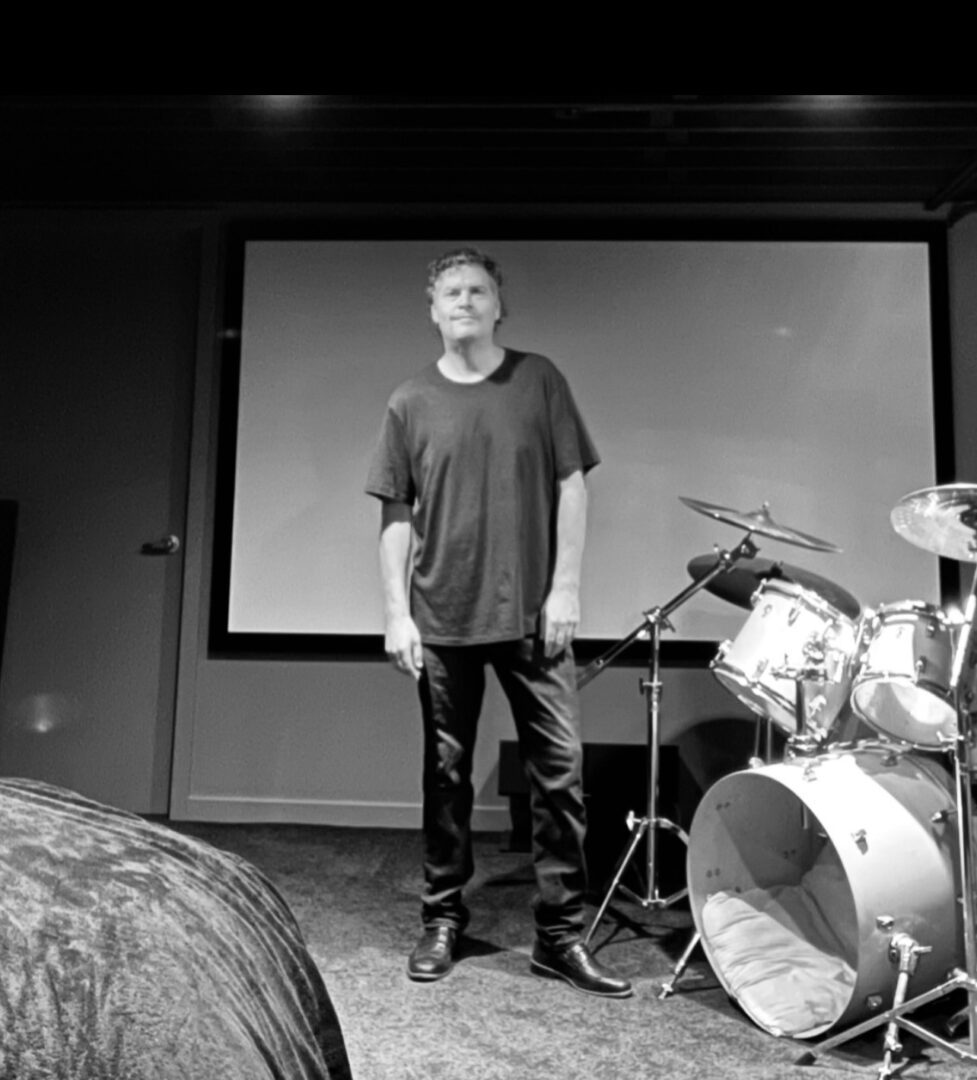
column 561, row 616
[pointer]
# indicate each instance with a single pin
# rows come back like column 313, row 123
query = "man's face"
column 466, row 304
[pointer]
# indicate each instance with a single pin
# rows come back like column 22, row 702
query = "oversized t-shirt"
column 479, row 463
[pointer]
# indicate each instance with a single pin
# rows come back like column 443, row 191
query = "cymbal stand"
column 647, row 827
column 958, row 979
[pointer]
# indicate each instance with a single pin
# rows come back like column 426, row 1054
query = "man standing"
column 480, row 470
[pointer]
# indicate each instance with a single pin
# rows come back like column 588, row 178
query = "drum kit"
column 824, row 885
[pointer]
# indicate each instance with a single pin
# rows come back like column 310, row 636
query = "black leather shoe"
column 575, row 964
column 434, row 954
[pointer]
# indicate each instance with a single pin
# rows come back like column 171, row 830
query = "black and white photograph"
column 487, row 587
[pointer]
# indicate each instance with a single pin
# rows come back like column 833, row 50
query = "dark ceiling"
column 692, row 149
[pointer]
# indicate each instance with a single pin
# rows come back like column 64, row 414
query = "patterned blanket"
column 128, row 951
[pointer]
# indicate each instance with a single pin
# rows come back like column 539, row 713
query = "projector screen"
column 793, row 372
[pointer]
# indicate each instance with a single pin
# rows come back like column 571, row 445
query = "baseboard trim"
column 239, row 809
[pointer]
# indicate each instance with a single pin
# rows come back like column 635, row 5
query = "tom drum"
column 902, row 683
column 788, row 626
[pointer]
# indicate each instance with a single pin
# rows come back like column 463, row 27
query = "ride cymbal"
column 759, row 521
column 743, row 578
column 941, row 520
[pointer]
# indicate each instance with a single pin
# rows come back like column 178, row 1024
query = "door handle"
column 169, row 545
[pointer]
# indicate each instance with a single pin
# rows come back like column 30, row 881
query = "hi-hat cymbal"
column 744, row 577
column 943, row 520
column 759, row 521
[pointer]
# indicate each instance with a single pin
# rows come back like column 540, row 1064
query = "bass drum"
column 799, row 874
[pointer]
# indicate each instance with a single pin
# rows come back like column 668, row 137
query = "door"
column 97, row 347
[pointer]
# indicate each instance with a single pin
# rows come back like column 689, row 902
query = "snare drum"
column 902, row 682
column 786, row 627
column 799, row 874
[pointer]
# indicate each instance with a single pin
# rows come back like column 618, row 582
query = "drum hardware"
column 904, row 951
column 941, row 520
column 810, row 772
column 646, row 827
column 763, row 733
column 803, row 746
column 744, row 585
column 808, row 736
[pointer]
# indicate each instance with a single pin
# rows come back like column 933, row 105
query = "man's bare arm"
column 561, row 611
column 402, row 641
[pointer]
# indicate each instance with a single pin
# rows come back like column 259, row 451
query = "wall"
column 98, row 300
column 963, row 335
column 963, row 332
column 338, row 741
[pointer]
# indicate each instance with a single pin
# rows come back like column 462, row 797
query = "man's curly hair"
column 466, row 256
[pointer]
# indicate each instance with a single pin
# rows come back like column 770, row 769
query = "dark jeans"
column 543, row 697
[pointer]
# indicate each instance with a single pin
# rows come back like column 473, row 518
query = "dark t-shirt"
column 479, row 463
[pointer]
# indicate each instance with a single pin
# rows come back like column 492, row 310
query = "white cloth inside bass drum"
column 795, row 868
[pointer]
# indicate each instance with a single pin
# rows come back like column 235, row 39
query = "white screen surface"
column 796, row 373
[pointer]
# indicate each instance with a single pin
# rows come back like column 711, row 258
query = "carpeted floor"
column 354, row 893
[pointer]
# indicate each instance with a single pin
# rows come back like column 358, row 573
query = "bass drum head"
column 793, row 867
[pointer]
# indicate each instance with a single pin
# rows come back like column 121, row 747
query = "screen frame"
column 224, row 643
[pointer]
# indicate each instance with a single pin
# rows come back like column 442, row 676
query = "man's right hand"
column 402, row 642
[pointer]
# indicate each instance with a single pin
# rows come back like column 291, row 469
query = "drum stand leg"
column 907, row 952
column 668, row 987
column 957, row 979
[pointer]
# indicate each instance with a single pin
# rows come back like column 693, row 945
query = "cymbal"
column 942, row 520
column 744, row 577
column 759, row 521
